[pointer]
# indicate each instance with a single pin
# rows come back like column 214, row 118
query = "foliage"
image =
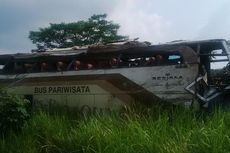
column 220, row 77
column 179, row 131
column 13, row 112
column 95, row 30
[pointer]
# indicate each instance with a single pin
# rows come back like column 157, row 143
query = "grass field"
column 177, row 131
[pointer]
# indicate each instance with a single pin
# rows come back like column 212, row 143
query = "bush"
column 13, row 112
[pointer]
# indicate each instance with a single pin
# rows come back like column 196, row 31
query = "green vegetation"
column 13, row 112
column 175, row 131
column 97, row 29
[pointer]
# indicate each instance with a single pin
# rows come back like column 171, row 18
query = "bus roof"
column 203, row 45
column 127, row 46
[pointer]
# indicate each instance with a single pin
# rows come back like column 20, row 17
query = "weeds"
column 13, row 112
column 177, row 131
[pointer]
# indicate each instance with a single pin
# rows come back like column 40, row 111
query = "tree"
column 95, row 30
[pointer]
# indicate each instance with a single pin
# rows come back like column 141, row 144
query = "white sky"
column 150, row 20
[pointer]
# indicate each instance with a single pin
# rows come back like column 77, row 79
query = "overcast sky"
column 151, row 20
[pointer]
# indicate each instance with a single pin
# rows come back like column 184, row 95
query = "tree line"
column 96, row 29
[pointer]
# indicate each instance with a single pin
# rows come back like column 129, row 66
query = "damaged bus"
column 116, row 75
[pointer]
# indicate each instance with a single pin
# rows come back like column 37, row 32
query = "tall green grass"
column 175, row 131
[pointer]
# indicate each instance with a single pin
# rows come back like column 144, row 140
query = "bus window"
column 218, row 59
column 19, row 67
column 61, row 66
column 48, row 67
column 113, row 62
column 219, row 67
column 165, row 59
column 1, row 68
column 29, row 67
column 174, row 59
column 153, row 59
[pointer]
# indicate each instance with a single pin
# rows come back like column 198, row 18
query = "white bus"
column 117, row 75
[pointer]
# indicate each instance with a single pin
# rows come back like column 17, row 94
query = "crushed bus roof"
column 127, row 46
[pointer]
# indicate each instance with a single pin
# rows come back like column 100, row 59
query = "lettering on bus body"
column 167, row 77
column 164, row 80
column 62, row 89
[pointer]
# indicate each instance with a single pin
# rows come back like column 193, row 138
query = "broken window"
column 1, row 68
column 219, row 67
